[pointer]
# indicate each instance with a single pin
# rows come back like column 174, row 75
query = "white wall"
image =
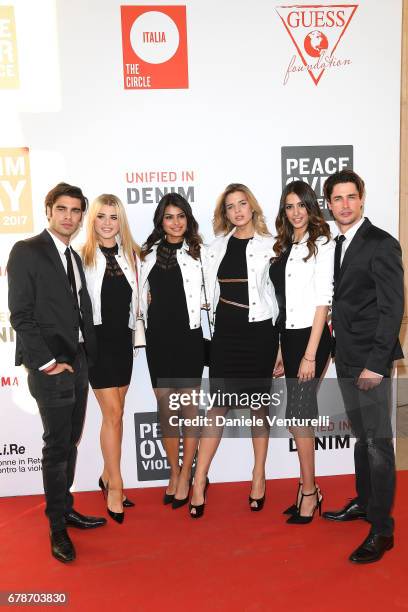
column 81, row 126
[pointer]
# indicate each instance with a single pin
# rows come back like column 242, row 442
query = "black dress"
column 240, row 350
column 175, row 353
column 113, row 367
column 301, row 399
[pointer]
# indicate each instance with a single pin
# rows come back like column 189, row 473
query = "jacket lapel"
column 54, row 256
column 353, row 249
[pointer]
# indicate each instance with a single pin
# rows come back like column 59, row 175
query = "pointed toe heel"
column 127, row 503
column 168, row 499
column 178, row 503
column 294, row 507
column 118, row 517
column 298, row 518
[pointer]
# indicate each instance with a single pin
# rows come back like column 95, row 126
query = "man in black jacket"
column 368, row 306
column 51, row 312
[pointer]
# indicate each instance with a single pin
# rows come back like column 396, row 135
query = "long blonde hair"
column 129, row 246
column 221, row 223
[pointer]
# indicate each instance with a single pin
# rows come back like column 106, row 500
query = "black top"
column 277, row 276
column 233, row 266
column 116, row 296
column 168, row 306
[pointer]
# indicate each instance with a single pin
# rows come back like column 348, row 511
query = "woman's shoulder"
column 324, row 242
column 267, row 239
column 217, row 242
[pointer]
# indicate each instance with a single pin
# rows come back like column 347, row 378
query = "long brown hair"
column 130, row 247
column 192, row 237
column 221, row 223
column 317, row 226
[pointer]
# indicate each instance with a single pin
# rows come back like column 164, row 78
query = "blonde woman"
column 245, row 342
column 110, row 263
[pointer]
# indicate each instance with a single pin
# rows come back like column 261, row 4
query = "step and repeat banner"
column 139, row 99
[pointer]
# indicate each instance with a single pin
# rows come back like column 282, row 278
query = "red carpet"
column 231, row 559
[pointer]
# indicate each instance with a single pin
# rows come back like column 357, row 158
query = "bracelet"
column 309, row 360
column 50, row 368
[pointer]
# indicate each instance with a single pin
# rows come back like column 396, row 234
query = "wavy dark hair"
column 317, row 226
column 192, row 237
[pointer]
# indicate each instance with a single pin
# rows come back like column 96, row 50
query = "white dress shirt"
column 349, row 235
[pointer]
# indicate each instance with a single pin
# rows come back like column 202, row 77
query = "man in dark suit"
column 368, row 306
column 52, row 314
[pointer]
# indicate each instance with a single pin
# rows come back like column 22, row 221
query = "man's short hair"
column 64, row 189
column 344, row 176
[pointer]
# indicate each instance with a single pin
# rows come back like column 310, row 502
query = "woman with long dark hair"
column 302, row 274
column 171, row 281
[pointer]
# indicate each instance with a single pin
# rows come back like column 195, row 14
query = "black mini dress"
column 241, row 350
column 113, row 367
column 175, row 353
column 301, row 398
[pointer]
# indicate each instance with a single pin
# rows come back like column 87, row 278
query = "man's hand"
column 368, row 380
column 60, row 367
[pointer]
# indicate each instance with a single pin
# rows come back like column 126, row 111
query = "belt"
column 232, row 280
column 233, row 303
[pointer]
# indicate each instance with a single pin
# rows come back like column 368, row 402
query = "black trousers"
column 370, row 417
column 61, row 400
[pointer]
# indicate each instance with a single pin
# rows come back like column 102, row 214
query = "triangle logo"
column 316, row 31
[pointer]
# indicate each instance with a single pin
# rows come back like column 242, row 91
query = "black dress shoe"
column 350, row 512
column 80, row 521
column 372, row 549
column 61, row 546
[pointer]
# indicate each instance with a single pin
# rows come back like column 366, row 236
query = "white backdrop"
column 240, row 106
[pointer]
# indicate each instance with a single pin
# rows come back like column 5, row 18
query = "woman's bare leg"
column 111, row 406
column 170, row 436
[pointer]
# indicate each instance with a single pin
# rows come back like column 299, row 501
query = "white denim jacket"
column 94, row 278
column 308, row 284
column 262, row 300
column 192, row 282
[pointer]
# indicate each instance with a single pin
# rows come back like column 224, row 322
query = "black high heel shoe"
column 116, row 516
column 298, row 519
column 168, row 498
column 199, row 510
column 178, row 503
column 127, row 503
column 259, row 502
column 294, row 507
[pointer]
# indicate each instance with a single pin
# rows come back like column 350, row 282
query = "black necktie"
column 337, row 256
column 71, row 279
